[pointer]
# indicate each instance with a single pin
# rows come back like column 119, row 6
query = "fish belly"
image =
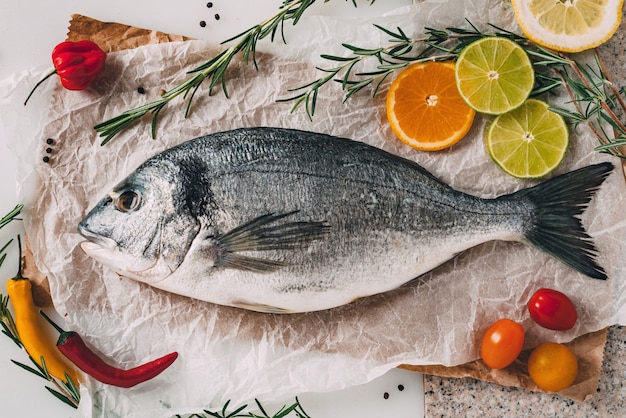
column 389, row 222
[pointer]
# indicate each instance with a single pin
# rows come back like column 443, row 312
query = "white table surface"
column 29, row 30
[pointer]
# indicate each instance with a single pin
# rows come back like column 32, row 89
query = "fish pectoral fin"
column 270, row 232
column 265, row 233
column 253, row 264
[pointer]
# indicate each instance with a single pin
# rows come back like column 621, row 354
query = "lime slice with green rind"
column 528, row 142
column 494, row 75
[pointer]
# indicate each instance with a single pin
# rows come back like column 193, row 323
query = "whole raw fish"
column 282, row 221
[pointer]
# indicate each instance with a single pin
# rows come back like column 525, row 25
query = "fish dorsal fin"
column 264, row 233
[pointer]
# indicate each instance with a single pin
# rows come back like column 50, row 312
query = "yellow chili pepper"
column 31, row 331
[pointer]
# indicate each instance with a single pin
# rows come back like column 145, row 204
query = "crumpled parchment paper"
column 227, row 353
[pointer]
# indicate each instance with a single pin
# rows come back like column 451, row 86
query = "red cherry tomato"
column 552, row 309
column 502, row 343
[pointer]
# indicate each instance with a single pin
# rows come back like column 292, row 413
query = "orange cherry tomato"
column 502, row 343
column 552, row 366
column 552, row 309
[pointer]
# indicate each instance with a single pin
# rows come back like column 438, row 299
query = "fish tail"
column 555, row 227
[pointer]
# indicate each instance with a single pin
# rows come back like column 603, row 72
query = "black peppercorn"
column 49, row 141
column 48, row 150
column 209, row 4
column 217, row 17
column 202, row 23
column 141, row 90
column 400, row 388
column 386, row 395
column 46, row 159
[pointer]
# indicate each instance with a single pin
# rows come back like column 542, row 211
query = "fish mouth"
column 107, row 251
column 96, row 241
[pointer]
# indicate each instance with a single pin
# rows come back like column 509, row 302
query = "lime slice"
column 528, row 142
column 494, row 75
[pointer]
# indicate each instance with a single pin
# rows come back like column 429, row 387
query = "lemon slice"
column 494, row 75
column 528, row 142
column 568, row 25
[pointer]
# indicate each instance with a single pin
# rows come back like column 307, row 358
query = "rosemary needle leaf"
column 401, row 49
column 153, row 123
column 614, row 124
column 61, row 397
column 12, row 215
column 335, row 58
column 390, row 33
column 615, row 144
column 29, row 369
column 286, row 411
column 258, row 404
column 361, row 51
column 568, row 114
column 8, row 333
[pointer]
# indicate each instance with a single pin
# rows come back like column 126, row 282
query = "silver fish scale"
column 377, row 207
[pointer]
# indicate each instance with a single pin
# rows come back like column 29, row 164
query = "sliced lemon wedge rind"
column 568, row 25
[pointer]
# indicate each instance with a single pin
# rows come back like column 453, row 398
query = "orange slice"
column 425, row 109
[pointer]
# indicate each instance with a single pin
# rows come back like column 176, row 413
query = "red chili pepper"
column 74, row 348
column 77, row 64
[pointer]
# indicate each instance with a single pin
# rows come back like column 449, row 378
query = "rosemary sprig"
column 65, row 391
column 596, row 99
column 597, row 102
column 240, row 412
column 214, row 70
column 402, row 51
column 11, row 216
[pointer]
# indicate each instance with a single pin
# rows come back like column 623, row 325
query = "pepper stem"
column 51, row 322
column 38, row 84
column 19, row 275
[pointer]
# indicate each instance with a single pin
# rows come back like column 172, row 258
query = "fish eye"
column 128, row 201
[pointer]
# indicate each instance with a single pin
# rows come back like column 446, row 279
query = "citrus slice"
column 424, row 107
column 528, row 142
column 568, row 25
column 494, row 75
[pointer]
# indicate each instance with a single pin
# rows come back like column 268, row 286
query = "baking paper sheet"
column 227, row 353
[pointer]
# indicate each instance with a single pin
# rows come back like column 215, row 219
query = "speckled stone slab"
column 474, row 398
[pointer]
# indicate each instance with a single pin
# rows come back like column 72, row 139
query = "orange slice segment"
column 425, row 109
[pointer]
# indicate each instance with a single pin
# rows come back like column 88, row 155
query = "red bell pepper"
column 78, row 64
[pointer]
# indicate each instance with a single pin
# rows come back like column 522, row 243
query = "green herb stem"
column 592, row 93
column 66, row 390
column 595, row 99
column 294, row 410
column 214, row 69
column 11, row 216
column 438, row 45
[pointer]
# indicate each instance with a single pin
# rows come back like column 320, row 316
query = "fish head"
column 140, row 229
